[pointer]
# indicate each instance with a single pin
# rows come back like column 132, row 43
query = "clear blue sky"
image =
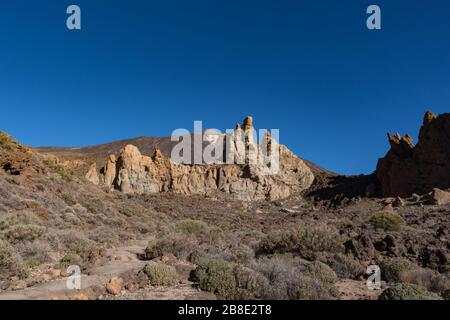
column 310, row 68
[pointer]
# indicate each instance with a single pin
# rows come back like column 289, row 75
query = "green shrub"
column 161, row 275
column 345, row 266
column 22, row 233
column 240, row 253
column 305, row 287
column 77, row 244
column 427, row 278
column 196, row 228
column 387, row 220
column 228, row 280
column 308, row 241
column 32, row 262
column 392, row 268
column 273, row 279
column 34, row 253
column 180, row 246
column 286, row 279
column 68, row 199
column 216, row 276
column 17, row 218
column 319, row 270
column 248, row 283
column 104, row 235
column 407, row 291
column 70, row 259
column 78, row 250
column 10, row 262
column 59, row 169
column 7, row 142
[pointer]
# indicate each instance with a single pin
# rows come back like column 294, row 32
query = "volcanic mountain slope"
column 146, row 145
column 253, row 174
column 314, row 244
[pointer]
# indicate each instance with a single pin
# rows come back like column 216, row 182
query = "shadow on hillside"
column 331, row 187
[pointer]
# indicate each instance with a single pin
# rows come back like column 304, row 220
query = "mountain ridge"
column 147, row 146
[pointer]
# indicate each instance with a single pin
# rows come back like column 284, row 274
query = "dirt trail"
column 96, row 276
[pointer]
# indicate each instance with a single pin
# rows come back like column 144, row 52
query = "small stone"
column 79, row 296
column 54, row 273
column 43, row 277
column 168, row 258
column 114, row 286
column 398, row 202
column 121, row 258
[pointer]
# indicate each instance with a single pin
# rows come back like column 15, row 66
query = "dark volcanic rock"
column 408, row 169
column 361, row 247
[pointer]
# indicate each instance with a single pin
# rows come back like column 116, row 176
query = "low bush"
column 407, row 291
column 23, row 233
column 392, row 268
column 7, row 142
column 70, row 259
column 229, row 281
column 216, row 276
column 179, row 245
column 78, row 250
column 308, row 241
column 80, row 246
column 235, row 252
column 286, row 280
column 161, row 275
column 59, row 169
column 387, row 220
column 196, row 228
column 319, row 270
column 427, row 278
column 11, row 263
column 24, row 217
column 345, row 266
column 104, row 235
column 35, row 253
column 68, row 199
column 249, row 283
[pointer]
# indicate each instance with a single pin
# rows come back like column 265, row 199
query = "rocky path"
column 355, row 290
column 180, row 292
column 125, row 260
column 120, row 261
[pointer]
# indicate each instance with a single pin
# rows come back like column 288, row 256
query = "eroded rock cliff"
column 409, row 168
column 248, row 178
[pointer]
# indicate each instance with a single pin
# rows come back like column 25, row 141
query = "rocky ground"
column 314, row 244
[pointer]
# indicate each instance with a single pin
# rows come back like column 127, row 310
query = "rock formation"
column 109, row 171
column 247, row 178
column 408, row 169
column 92, row 175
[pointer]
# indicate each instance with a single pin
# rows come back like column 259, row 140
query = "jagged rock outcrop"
column 109, row 171
column 136, row 173
column 92, row 174
column 408, row 169
column 247, row 178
